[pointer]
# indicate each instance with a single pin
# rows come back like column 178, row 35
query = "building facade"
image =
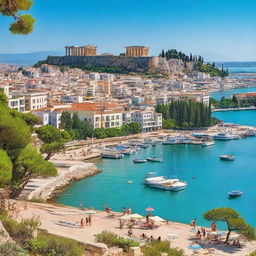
column 137, row 51
column 148, row 119
column 88, row 50
column 35, row 100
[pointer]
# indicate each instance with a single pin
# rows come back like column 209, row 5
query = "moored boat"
column 112, row 155
column 154, row 159
column 227, row 157
column 207, row 143
column 139, row 161
column 223, row 136
column 235, row 193
column 179, row 185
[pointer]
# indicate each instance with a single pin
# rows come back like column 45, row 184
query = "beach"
column 50, row 215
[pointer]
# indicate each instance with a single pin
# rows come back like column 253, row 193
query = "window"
column 117, row 123
column 112, row 123
column 117, row 117
column 97, row 119
column 112, row 117
column 107, row 118
column 34, row 101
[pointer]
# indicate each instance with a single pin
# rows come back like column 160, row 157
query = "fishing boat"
column 235, row 193
column 154, row 159
column 227, row 157
column 207, row 143
column 223, row 136
column 112, row 155
column 139, row 161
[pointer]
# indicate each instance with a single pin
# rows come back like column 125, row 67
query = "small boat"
column 139, row 161
column 154, row 159
column 235, row 193
column 144, row 145
column 170, row 141
column 227, row 157
column 112, row 156
column 207, row 143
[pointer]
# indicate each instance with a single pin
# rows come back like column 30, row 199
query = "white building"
column 148, row 119
column 35, row 100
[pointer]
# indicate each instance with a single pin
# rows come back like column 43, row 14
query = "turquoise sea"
column 209, row 180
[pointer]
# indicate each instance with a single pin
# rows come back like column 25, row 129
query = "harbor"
column 189, row 160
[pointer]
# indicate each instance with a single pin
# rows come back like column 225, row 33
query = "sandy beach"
column 51, row 215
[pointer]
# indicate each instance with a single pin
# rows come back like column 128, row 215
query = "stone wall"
column 131, row 64
column 74, row 173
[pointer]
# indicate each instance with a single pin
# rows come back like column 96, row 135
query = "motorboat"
column 144, row 145
column 152, row 180
column 154, row 159
column 139, row 161
column 109, row 155
column 170, row 141
column 227, row 157
column 223, row 136
column 199, row 135
column 179, row 185
column 207, row 143
column 235, row 193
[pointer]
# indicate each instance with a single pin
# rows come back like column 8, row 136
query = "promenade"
column 233, row 109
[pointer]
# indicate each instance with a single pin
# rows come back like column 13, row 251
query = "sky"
column 219, row 30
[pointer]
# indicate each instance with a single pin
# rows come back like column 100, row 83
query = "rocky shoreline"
column 68, row 172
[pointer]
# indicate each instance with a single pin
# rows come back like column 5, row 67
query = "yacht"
column 179, row 185
column 223, row 136
column 110, row 155
column 170, row 141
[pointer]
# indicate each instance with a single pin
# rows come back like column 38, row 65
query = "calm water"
column 213, row 179
column 227, row 94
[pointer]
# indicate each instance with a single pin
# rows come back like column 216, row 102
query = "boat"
column 227, row 157
column 178, row 186
column 170, row 141
column 127, row 151
column 112, row 155
column 207, row 143
column 223, row 136
column 199, row 135
column 139, row 161
column 154, row 159
column 144, row 145
column 235, row 193
column 153, row 180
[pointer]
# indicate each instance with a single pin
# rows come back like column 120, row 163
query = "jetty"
column 233, row 109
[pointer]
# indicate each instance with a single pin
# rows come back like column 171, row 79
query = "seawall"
column 67, row 173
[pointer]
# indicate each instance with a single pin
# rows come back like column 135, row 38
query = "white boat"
column 152, row 180
column 170, row 141
column 154, row 159
column 223, row 136
column 109, row 155
column 227, row 157
column 139, row 160
column 178, row 186
column 207, row 143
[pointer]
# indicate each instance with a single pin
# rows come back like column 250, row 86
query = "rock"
column 4, row 236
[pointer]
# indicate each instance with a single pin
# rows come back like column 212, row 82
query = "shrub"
column 252, row 253
column 111, row 240
column 37, row 200
column 50, row 245
column 10, row 249
column 156, row 248
column 20, row 232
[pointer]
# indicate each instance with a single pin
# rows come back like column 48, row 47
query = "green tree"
column 5, row 168
column 49, row 134
column 29, row 118
column 29, row 163
column 24, row 23
column 233, row 220
column 100, row 133
column 3, row 98
column 51, row 149
column 66, row 121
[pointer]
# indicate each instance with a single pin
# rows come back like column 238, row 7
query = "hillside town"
column 104, row 100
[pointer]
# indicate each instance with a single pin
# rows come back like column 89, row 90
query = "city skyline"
column 217, row 30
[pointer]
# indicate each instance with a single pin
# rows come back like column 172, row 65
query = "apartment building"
column 99, row 115
column 35, row 100
column 148, row 119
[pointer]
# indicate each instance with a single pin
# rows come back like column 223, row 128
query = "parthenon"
column 137, row 51
column 88, row 50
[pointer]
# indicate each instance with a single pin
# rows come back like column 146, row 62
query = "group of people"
column 88, row 221
column 149, row 239
column 202, row 232
column 126, row 211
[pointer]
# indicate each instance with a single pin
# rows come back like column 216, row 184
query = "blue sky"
column 220, row 30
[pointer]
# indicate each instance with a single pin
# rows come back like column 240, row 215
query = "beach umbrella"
column 149, row 209
column 157, row 219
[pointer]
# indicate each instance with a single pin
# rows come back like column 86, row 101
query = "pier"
column 233, row 109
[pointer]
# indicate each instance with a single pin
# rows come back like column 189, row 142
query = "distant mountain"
column 26, row 58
